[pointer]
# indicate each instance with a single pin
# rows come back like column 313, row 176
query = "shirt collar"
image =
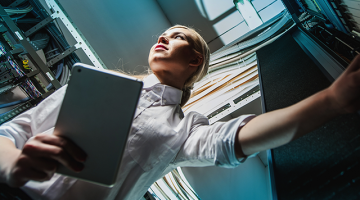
column 150, row 81
column 169, row 95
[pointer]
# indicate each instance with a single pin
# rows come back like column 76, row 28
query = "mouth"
column 160, row 47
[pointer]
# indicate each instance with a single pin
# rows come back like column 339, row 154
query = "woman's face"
column 172, row 58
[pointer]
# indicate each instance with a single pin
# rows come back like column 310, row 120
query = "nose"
column 163, row 39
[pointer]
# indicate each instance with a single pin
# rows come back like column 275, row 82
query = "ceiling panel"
column 202, row 15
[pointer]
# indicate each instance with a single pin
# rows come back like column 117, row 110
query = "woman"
column 162, row 138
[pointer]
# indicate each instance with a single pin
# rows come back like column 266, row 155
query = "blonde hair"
column 200, row 46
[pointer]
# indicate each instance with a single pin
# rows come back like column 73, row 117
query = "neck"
column 170, row 80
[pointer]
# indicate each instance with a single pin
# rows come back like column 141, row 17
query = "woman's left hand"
column 345, row 91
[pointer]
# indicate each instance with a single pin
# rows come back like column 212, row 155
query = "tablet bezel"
column 87, row 88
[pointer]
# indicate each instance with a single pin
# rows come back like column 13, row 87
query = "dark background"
column 323, row 164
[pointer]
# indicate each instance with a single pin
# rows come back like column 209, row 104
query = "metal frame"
column 49, row 76
column 338, row 39
column 60, row 13
column 327, row 10
column 270, row 154
column 61, row 56
column 38, row 26
column 292, row 6
column 233, row 107
column 12, row 113
column 321, row 55
column 328, row 61
column 16, row 3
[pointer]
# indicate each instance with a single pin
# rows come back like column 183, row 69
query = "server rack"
column 35, row 58
column 324, row 163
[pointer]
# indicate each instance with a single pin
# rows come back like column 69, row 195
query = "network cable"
column 5, row 105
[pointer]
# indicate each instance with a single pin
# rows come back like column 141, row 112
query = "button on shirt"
column 160, row 140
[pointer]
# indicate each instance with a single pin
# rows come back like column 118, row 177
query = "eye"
column 179, row 36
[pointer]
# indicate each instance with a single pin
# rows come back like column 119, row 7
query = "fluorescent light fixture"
column 249, row 13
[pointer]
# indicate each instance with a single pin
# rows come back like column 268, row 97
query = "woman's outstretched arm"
column 279, row 127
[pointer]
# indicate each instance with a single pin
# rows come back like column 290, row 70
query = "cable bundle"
column 11, row 11
column 171, row 186
column 39, row 41
column 16, row 67
column 49, row 39
column 27, row 85
column 30, row 89
column 19, row 12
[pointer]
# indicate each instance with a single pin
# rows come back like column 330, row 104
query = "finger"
column 37, row 149
column 45, row 165
column 357, row 76
column 37, row 175
column 21, row 175
column 17, row 183
column 353, row 81
column 75, row 151
column 354, row 65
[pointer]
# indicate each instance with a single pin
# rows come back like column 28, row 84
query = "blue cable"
column 5, row 105
column 18, row 17
column 57, row 75
column 5, row 113
column 18, row 8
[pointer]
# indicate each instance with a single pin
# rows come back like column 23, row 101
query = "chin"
column 158, row 69
column 159, row 62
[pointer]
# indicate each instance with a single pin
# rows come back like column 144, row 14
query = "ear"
column 196, row 61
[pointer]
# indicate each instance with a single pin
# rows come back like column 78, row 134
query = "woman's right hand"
column 40, row 157
column 345, row 91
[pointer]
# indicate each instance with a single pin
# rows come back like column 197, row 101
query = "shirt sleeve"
column 34, row 121
column 209, row 145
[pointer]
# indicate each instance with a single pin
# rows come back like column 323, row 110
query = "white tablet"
column 96, row 114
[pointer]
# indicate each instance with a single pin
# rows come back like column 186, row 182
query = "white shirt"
column 160, row 140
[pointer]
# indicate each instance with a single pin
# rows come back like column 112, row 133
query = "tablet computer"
column 97, row 114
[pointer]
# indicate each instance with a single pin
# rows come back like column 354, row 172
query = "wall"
column 248, row 181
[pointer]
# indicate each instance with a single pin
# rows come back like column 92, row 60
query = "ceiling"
column 123, row 31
